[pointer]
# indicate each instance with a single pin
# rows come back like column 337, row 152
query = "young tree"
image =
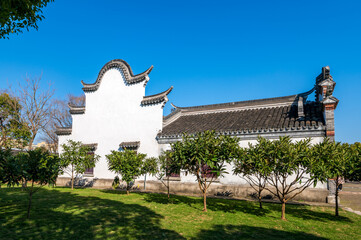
column 10, row 172
column 130, row 165
column 355, row 175
column 252, row 165
column 37, row 166
column 76, row 158
column 166, row 166
column 335, row 161
column 204, row 155
column 291, row 169
column 14, row 132
column 20, row 14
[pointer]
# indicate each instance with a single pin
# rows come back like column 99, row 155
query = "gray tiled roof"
column 262, row 114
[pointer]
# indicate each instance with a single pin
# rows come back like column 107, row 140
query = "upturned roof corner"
column 157, row 98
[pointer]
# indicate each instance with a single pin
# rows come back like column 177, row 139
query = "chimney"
column 324, row 90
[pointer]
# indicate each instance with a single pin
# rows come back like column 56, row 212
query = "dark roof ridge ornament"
column 130, row 78
column 301, row 99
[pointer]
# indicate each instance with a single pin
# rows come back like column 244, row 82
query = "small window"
column 89, row 171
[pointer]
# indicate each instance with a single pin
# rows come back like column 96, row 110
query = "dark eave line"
column 156, row 98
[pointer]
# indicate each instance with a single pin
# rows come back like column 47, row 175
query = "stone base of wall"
column 177, row 187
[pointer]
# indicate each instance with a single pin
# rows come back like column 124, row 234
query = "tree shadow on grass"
column 249, row 232
column 304, row 212
column 213, row 204
column 64, row 215
column 248, row 207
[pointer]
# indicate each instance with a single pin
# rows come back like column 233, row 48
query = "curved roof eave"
column 130, row 78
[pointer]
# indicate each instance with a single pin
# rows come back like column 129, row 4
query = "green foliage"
column 76, row 158
column 204, row 155
column 14, row 132
column 150, row 166
column 166, row 165
column 130, row 165
column 10, row 172
column 333, row 158
column 37, row 166
column 15, row 15
column 116, row 182
column 355, row 175
column 336, row 161
column 287, row 167
column 253, row 165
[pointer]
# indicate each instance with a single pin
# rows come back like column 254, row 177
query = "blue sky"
column 210, row 51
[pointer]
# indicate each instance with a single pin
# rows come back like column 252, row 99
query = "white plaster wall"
column 114, row 114
column 234, row 179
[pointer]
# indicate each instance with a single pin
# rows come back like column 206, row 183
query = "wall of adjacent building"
column 230, row 179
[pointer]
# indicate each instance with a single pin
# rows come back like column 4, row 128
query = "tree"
column 60, row 117
column 14, row 132
column 130, row 165
column 36, row 166
column 15, row 15
column 166, row 166
column 204, row 155
column 253, row 166
column 355, row 175
column 76, row 158
column 10, row 172
column 335, row 161
column 36, row 105
column 291, row 169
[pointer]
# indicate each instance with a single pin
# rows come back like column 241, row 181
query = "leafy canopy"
column 129, row 164
column 14, row 132
column 193, row 153
column 15, row 15
column 78, row 156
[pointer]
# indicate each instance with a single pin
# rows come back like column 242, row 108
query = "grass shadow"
column 213, row 204
column 64, row 215
column 249, row 207
column 230, row 232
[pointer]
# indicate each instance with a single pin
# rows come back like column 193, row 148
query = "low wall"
column 177, row 187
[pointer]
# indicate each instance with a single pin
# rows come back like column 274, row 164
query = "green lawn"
column 59, row 213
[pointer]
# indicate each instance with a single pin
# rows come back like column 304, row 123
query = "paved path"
column 350, row 196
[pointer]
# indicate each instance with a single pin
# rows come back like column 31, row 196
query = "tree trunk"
column 336, row 197
column 283, row 216
column 205, row 201
column 128, row 188
column 30, row 198
column 260, row 201
column 72, row 177
column 29, row 206
column 168, row 187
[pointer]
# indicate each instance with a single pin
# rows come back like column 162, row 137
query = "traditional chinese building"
column 118, row 115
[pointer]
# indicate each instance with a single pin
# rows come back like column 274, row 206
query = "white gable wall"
column 114, row 114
